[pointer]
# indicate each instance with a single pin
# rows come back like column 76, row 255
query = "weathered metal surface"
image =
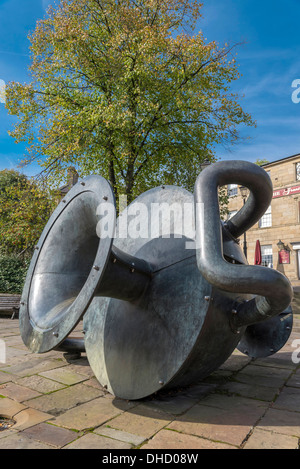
column 163, row 309
column 267, row 338
column 272, row 289
column 61, row 281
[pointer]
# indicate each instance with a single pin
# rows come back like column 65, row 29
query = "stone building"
column 279, row 229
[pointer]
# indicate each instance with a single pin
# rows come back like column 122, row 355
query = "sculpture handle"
column 273, row 289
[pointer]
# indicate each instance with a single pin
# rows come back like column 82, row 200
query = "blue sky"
column 269, row 62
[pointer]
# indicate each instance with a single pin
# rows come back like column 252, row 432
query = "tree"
column 126, row 89
column 24, row 211
column 261, row 162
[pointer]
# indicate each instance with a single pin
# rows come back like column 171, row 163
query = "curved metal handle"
column 273, row 289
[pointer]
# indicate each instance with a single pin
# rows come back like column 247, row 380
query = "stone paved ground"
column 56, row 403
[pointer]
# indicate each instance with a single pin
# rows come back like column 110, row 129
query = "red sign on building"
column 287, row 191
column 284, row 257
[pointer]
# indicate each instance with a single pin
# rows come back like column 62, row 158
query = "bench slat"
column 10, row 304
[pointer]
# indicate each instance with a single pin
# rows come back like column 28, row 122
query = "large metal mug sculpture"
column 155, row 314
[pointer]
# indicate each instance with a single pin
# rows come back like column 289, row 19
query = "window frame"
column 262, row 224
column 232, row 187
column 297, row 171
column 265, row 263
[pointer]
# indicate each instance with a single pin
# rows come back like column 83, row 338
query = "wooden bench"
column 10, row 304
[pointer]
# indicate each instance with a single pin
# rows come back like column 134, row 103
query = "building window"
column 232, row 190
column 266, row 220
column 297, row 171
column 267, row 256
column 231, row 214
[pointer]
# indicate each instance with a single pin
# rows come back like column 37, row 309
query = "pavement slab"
column 17, row 392
column 93, row 441
column 261, row 439
column 141, row 421
column 167, row 439
column 21, row 441
column 64, row 399
column 90, row 414
column 51, row 435
column 57, row 403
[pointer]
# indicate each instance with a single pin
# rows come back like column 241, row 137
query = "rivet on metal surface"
column 82, row 183
column 96, row 267
column 105, row 198
column 161, row 382
column 55, row 334
column 163, row 187
column 64, row 201
column 207, row 298
column 234, row 311
column 115, row 260
column 132, row 271
column 37, row 248
column 22, row 303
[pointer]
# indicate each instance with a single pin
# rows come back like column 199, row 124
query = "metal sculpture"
column 155, row 314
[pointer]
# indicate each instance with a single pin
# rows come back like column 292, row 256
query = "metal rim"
column 40, row 340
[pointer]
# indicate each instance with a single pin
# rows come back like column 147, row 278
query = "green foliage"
column 261, row 162
column 13, row 271
column 24, row 210
column 125, row 89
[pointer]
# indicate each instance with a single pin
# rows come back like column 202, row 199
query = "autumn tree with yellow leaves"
column 25, row 207
column 126, row 89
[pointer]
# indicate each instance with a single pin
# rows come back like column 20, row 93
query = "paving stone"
column 279, row 360
column 281, row 421
column 218, row 377
column 227, row 419
column 31, row 366
column 167, row 439
column 294, row 380
column 90, row 415
column 174, row 405
column 20, row 441
column 64, row 375
column 82, row 367
column 119, row 435
column 263, row 376
column 236, row 362
column 199, row 391
column 93, row 441
column 94, row 383
column 17, row 392
column 64, row 399
column 288, row 399
column 9, row 408
column 141, row 421
column 40, row 384
column 30, row 417
column 5, row 377
column 263, row 393
column 262, row 439
column 51, row 435
column 12, row 352
column 8, row 432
